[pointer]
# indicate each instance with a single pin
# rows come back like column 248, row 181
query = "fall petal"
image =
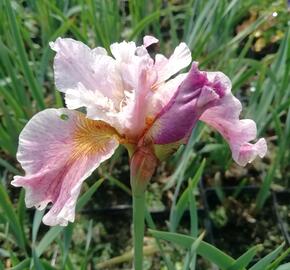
column 206, row 96
column 224, row 117
column 59, row 149
column 248, row 152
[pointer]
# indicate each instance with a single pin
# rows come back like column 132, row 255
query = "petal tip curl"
column 248, row 152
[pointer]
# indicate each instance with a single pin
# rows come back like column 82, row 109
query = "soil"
column 111, row 197
column 118, row 238
column 283, row 211
column 235, row 175
column 235, row 221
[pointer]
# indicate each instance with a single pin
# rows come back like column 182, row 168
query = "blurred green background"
column 247, row 40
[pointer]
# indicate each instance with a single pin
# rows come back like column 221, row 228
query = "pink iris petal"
column 76, row 63
column 163, row 94
column 248, row 152
column 149, row 40
column 89, row 78
column 176, row 120
column 180, row 59
column 224, row 117
column 59, row 149
column 121, row 91
column 124, row 51
column 143, row 95
column 207, row 96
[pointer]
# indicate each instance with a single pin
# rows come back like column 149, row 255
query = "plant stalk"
column 138, row 229
column 142, row 167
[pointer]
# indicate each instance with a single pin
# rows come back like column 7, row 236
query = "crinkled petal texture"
column 207, row 96
column 224, row 117
column 126, row 90
column 59, row 149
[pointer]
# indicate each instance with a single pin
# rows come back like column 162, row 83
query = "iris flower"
column 129, row 98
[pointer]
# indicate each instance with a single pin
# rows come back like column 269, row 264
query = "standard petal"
column 162, row 95
column 98, row 107
column 76, row 63
column 143, row 96
column 224, row 117
column 180, row 59
column 149, row 40
column 59, row 149
column 123, row 51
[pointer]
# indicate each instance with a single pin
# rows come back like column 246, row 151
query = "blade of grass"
column 36, row 224
column 84, row 199
column 178, row 208
column 204, row 249
column 24, row 265
column 280, row 259
column 33, row 85
column 285, row 266
column 243, row 261
column 5, row 164
column 264, row 262
column 11, row 217
column 67, row 235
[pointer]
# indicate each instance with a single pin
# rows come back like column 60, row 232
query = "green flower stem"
column 138, row 229
column 142, row 166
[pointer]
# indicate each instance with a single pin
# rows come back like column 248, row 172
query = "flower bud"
column 142, row 167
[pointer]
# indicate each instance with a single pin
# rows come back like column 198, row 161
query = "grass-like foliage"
column 247, row 40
